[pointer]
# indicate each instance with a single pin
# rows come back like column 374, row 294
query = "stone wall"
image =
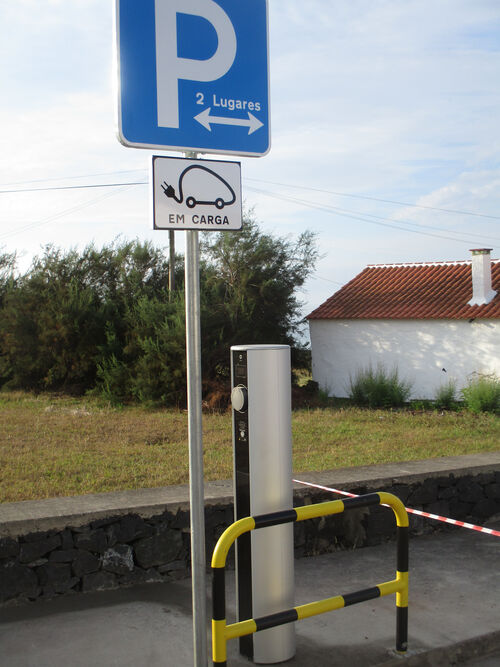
column 59, row 546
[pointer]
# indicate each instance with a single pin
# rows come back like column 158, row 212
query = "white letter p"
column 170, row 68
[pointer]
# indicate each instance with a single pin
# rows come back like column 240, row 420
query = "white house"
column 433, row 321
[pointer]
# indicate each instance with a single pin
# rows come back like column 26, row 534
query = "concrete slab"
column 454, row 611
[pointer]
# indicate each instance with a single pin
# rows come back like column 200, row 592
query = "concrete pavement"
column 454, row 614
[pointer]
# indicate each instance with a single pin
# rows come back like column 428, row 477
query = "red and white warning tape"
column 427, row 515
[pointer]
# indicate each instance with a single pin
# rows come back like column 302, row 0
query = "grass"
column 59, row 446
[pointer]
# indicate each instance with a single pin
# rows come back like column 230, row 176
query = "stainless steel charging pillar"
column 262, row 441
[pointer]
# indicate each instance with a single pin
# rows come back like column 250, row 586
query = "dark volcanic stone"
column 57, row 577
column 299, row 534
column 442, row 508
column 158, row 549
column 99, row 581
column 103, row 523
column 419, row 525
column 63, row 555
column 66, row 539
column 118, row 559
column 128, row 529
column 38, row 562
column 9, row 548
column 175, row 570
column 215, row 518
column 444, row 481
column 93, row 540
column 36, row 537
column 459, row 510
column 485, row 478
column 426, row 493
column 402, row 491
column 30, row 551
column 140, row 576
column 85, row 563
column 470, row 492
column 18, row 580
column 493, row 491
column 181, row 519
column 447, row 493
column 380, row 525
column 485, row 508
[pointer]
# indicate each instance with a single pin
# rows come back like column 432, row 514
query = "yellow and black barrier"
column 221, row 632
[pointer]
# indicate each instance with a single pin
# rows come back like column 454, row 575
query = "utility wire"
column 74, row 187
column 336, row 211
column 385, row 201
column 347, row 212
column 333, row 210
column 72, row 178
column 256, row 180
column 328, row 280
column 419, row 225
column 56, row 216
column 323, row 207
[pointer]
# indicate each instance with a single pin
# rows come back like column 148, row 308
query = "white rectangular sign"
column 196, row 194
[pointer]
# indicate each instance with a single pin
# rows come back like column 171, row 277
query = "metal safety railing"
column 222, row 632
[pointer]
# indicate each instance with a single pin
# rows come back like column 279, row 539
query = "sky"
column 385, row 118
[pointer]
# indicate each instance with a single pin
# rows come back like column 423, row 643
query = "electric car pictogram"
column 225, row 195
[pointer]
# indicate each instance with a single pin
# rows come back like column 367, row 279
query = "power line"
column 419, row 225
column 328, row 280
column 341, row 212
column 71, row 178
column 74, row 187
column 385, row 222
column 61, row 214
column 385, row 201
column 349, row 213
column 257, row 180
column 333, row 208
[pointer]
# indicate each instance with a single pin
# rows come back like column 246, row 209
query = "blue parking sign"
column 193, row 75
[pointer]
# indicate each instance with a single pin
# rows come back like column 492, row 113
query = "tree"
column 250, row 281
column 52, row 321
column 7, row 270
column 102, row 319
column 68, row 315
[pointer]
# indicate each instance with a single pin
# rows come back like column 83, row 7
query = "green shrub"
column 102, row 320
column 482, row 394
column 422, row 404
column 379, row 388
column 445, row 398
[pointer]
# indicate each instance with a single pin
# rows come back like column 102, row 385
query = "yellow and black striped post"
column 221, row 632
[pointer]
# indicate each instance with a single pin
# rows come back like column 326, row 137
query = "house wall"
column 420, row 349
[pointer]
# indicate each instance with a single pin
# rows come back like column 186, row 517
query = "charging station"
column 262, row 446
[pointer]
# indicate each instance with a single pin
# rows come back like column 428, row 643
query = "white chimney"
column 481, row 277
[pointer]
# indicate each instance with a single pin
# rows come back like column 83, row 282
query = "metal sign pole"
column 144, row 39
column 196, row 489
column 171, row 264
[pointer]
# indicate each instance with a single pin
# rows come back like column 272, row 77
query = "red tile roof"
column 437, row 290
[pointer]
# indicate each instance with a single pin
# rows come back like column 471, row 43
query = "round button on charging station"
column 239, row 398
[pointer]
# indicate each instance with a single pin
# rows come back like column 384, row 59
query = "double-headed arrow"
column 205, row 119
